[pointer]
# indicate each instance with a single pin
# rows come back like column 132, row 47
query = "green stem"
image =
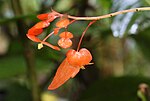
column 28, row 52
column 141, row 95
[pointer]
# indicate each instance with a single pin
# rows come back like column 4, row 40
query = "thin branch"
column 48, row 36
column 110, row 15
column 84, row 34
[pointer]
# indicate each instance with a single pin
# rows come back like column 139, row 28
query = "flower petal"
column 64, row 42
column 41, row 24
column 43, row 16
column 63, row 23
column 33, row 31
column 66, row 35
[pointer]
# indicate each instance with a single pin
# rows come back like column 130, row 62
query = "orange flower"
column 64, row 40
column 43, row 16
column 37, row 29
column 66, row 35
column 62, row 23
column 81, row 58
column 41, row 24
column 70, row 67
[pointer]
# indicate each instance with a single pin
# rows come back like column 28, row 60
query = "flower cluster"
column 75, row 59
column 46, row 19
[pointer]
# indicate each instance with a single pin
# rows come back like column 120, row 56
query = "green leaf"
column 143, row 41
column 15, row 65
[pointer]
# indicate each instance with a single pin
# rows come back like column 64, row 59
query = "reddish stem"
column 84, row 33
column 72, row 21
column 48, row 36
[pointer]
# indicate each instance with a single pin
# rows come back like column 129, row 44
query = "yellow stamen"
column 40, row 45
column 91, row 63
column 82, row 67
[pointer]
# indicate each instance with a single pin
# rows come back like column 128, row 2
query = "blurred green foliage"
column 120, row 47
column 143, row 40
column 114, row 89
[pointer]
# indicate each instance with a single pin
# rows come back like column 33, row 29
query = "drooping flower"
column 65, row 39
column 37, row 29
column 71, row 65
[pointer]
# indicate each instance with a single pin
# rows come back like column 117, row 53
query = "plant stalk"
column 110, row 15
column 28, row 52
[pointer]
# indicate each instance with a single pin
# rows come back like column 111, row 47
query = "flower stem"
column 84, row 34
column 109, row 15
column 48, row 36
